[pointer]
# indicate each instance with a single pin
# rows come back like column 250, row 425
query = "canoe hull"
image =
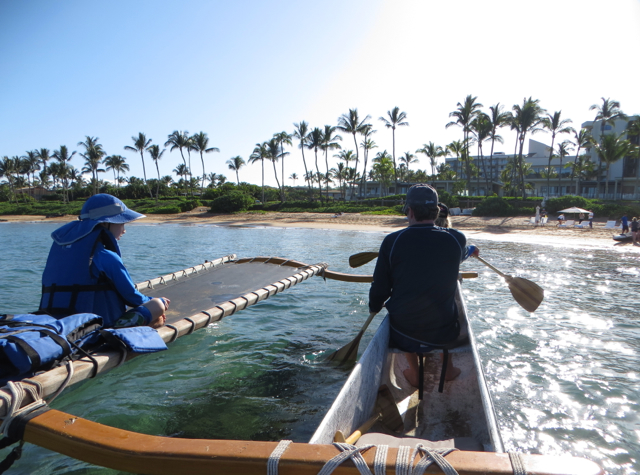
column 463, row 410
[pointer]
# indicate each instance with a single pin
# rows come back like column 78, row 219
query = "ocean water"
column 564, row 379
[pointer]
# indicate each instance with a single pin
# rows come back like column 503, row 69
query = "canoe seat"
column 460, row 443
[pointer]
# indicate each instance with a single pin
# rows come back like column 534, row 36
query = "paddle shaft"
column 497, row 271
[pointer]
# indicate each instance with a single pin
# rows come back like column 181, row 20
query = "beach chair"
column 454, row 211
column 582, row 225
column 567, row 224
column 532, row 221
column 610, row 225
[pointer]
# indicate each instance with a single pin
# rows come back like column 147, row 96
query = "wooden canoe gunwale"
column 146, row 454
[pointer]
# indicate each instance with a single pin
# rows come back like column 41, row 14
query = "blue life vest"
column 68, row 284
column 39, row 342
column 33, row 343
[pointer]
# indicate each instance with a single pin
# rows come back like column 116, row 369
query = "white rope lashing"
column 517, row 463
column 274, row 458
column 348, row 452
column 14, row 402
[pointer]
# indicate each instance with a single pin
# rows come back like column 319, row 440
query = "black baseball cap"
column 421, row 195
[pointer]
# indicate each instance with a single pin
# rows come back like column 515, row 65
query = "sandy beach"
column 504, row 228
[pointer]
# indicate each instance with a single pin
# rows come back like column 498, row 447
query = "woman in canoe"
column 85, row 273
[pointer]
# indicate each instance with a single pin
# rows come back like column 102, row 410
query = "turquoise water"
column 564, row 380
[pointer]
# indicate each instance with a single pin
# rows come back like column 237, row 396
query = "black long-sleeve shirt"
column 417, row 271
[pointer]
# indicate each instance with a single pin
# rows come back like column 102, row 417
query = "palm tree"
column 33, row 162
column 582, row 140
column 633, row 130
column 235, row 164
column 383, row 170
column 407, row 159
column 315, row 139
column 608, row 112
column 200, row 143
column 563, row 150
column 140, row 144
column 481, row 128
column 366, row 144
column 93, row 155
column 527, row 119
column 464, row 116
column 340, row 174
column 64, row 157
column 497, row 119
column 458, row 148
column 156, row 155
column 301, row 133
column 396, row 119
column 610, row 149
column 329, row 142
column 260, row 153
column 350, row 123
column 8, row 168
column 283, row 138
column 294, row 177
column 273, row 154
column 182, row 170
column 582, row 167
column 555, row 125
column 432, row 151
column 118, row 164
column 43, row 155
column 179, row 140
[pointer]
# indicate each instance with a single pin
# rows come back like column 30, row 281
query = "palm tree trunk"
column 158, row 184
column 395, row 168
column 262, row 181
column 318, row 170
column 203, row 173
column 144, row 172
column 560, row 177
column 306, row 171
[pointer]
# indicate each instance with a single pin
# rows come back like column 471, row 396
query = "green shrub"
column 554, row 205
column 189, row 205
column 168, row 209
column 232, row 202
column 494, row 206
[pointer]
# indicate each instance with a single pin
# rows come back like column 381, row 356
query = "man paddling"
column 85, row 273
column 416, row 280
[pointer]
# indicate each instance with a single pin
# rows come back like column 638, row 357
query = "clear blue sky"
column 242, row 71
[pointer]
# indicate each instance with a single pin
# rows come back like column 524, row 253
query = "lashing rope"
column 517, row 463
column 274, row 458
column 348, row 451
column 13, row 403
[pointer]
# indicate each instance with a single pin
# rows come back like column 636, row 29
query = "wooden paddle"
column 349, row 352
column 362, row 258
column 528, row 294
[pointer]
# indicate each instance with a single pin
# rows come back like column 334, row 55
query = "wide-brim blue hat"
column 101, row 208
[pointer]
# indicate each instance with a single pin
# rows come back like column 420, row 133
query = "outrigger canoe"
column 462, row 417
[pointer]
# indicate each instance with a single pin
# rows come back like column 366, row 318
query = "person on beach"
column 635, row 229
column 537, row 220
column 625, row 224
column 560, row 219
column 581, row 218
column 84, row 272
column 416, row 280
column 591, row 219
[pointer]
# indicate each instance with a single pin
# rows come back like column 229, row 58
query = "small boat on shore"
column 625, row 237
column 461, row 418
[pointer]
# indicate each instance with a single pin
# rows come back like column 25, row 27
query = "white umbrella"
column 574, row 210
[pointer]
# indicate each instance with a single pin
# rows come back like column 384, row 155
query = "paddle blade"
column 388, row 410
column 362, row 258
column 528, row 294
column 348, row 353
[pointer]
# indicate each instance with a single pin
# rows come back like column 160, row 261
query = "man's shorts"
column 407, row 344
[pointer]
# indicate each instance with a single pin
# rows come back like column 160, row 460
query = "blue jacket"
column 416, row 274
column 88, row 276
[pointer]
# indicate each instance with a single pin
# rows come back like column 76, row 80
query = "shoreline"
column 513, row 228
